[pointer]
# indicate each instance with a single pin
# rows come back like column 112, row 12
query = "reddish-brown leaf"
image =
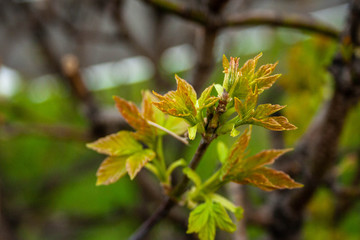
column 265, row 157
column 265, row 70
column 133, row 117
column 237, row 153
column 267, row 179
column 274, row 123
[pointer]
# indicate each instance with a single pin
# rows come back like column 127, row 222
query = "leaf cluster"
column 219, row 110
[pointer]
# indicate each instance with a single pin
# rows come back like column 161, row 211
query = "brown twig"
column 252, row 18
column 288, row 20
column 347, row 197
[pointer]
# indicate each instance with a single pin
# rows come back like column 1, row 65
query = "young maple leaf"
column 206, row 217
column 183, row 103
column 151, row 113
column 239, row 81
column 179, row 103
column 244, row 86
column 126, row 155
column 251, row 170
column 139, row 120
column 132, row 115
column 260, row 115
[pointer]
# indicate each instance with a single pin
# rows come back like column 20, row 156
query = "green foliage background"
column 54, row 179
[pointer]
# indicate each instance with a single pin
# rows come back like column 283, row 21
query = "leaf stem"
column 160, row 164
column 181, row 139
column 211, row 185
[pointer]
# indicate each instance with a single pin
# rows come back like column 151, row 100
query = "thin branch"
column 288, row 20
column 252, row 18
column 347, row 197
column 168, row 203
column 180, row 10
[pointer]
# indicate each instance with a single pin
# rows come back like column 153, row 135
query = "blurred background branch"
column 63, row 60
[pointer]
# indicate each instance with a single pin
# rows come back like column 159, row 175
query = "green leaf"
column 205, row 217
column 206, row 100
column 234, row 132
column 136, row 161
column 176, row 125
column 219, row 89
column 265, row 110
column 247, row 109
column 222, row 151
column 202, row 222
column 238, row 211
column 118, row 144
column 126, row 155
column 111, row 170
column 193, row 176
column 192, row 132
column 225, row 62
column 222, row 219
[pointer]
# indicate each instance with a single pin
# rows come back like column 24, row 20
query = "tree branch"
column 288, row 20
column 318, row 147
column 168, row 203
column 347, row 197
column 252, row 18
